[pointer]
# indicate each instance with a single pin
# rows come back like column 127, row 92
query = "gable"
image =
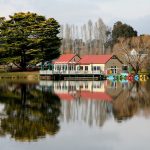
column 114, row 61
column 114, row 57
column 66, row 58
column 76, row 58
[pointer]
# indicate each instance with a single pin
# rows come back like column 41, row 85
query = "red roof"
column 95, row 59
column 65, row 96
column 95, row 95
column 86, row 95
column 65, row 58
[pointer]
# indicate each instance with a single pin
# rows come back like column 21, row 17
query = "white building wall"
column 60, row 70
column 102, row 66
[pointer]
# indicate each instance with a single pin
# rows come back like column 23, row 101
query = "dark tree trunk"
column 43, row 59
column 23, row 94
column 137, row 69
column 23, row 63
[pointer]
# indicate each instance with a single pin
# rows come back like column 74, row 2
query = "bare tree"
column 63, row 40
column 89, row 38
column 90, row 31
column 67, row 37
column 134, row 51
column 101, row 29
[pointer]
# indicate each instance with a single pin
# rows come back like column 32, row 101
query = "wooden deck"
column 73, row 77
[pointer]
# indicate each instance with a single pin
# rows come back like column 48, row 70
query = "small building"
column 89, row 66
column 104, row 64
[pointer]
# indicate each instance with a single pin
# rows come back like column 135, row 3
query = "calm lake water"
column 75, row 115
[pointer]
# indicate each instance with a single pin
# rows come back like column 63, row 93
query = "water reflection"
column 28, row 113
column 94, row 102
column 84, row 101
column 32, row 111
column 132, row 101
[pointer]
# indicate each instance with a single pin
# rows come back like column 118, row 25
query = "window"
column 81, row 67
column 114, row 69
column 98, row 67
column 124, row 67
column 69, row 67
column 73, row 67
column 86, row 68
column 94, row 68
column 86, row 86
column 81, row 86
column 50, row 67
column 64, row 67
column 58, row 67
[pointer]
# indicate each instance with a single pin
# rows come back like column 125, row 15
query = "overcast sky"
column 133, row 12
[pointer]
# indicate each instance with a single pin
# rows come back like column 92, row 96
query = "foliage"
column 30, row 113
column 130, row 102
column 134, row 51
column 122, row 30
column 26, row 37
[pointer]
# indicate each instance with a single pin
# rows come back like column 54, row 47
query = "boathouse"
column 104, row 64
column 89, row 66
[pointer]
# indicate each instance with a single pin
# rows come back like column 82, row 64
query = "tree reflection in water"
column 94, row 102
column 29, row 113
column 132, row 101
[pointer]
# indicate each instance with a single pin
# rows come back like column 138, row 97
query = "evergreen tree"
column 28, row 37
column 122, row 30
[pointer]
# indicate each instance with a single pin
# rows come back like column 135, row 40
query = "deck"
column 71, row 75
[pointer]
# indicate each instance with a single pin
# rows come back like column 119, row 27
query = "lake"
column 74, row 115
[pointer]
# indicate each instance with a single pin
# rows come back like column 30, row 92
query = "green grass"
column 20, row 75
column 1, row 68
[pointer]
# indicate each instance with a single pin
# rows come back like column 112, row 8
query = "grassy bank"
column 20, row 75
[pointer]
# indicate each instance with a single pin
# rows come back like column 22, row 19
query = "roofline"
column 74, row 56
column 97, row 63
column 116, row 57
column 68, row 60
column 90, row 63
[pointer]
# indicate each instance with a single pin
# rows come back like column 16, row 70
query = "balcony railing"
column 50, row 72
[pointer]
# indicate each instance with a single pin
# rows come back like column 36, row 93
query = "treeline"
column 93, row 37
column 98, row 38
column 90, row 38
column 29, row 38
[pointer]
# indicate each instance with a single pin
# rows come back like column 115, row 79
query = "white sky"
column 133, row 12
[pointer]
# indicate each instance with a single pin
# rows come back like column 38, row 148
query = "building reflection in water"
column 96, row 101
column 85, row 101
column 32, row 111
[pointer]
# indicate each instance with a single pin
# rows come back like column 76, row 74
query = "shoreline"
column 20, row 75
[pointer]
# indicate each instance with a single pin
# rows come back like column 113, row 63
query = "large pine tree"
column 28, row 37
